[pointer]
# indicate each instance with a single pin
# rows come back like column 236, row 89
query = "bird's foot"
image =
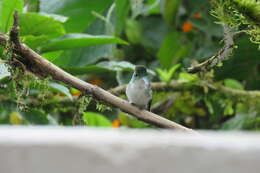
column 138, row 106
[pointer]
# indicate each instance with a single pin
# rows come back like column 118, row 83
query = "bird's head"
column 140, row 71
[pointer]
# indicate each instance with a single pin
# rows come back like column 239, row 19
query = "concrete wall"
column 84, row 150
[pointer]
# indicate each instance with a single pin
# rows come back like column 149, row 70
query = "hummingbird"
column 138, row 91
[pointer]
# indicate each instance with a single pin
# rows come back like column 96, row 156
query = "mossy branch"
column 42, row 67
column 241, row 14
column 241, row 95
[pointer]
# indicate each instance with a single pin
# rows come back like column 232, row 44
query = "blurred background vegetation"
column 100, row 41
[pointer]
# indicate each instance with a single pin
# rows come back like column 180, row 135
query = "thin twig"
column 178, row 87
column 220, row 56
column 163, row 107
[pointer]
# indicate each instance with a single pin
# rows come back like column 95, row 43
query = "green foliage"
column 95, row 119
column 36, row 116
column 37, row 29
column 101, row 41
column 7, row 8
column 231, row 83
column 249, row 8
column 15, row 118
column 134, row 31
column 172, row 50
column 71, row 41
column 131, row 122
column 242, row 121
column 240, row 13
column 78, row 11
column 83, row 103
column 188, row 78
column 122, row 10
column 60, row 89
column 37, row 25
column 102, row 67
column 102, row 108
column 166, row 75
column 170, row 10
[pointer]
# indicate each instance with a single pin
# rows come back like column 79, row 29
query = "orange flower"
column 187, row 26
column 116, row 123
column 197, row 16
column 96, row 81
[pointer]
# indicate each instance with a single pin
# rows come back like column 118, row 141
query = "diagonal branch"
column 42, row 67
column 220, row 56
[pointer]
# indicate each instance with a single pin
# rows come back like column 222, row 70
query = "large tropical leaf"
column 70, row 41
column 7, row 8
column 78, row 11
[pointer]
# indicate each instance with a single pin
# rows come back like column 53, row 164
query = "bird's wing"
column 148, row 87
column 149, row 93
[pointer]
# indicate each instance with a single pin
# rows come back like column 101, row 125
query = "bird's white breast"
column 139, row 93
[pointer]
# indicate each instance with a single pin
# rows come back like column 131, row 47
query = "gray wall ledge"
column 89, row 150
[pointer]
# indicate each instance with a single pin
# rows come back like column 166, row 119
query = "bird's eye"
column 136, row 75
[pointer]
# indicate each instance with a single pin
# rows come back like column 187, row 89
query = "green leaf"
column 36, row 116
column 232, row 83
column 173, row 69
column 57, row 17
column 150, row 40
column 32, row 5
column 172, row 49
column 130, row 121
column 79, row 12
column 87, row 55
column 7, row 8
column 186, row 77
column 166, row 75
column 70, row 41
column 38, row 25
column 120, row 66
column 152, row 6
column 35, row 41
column 137, row 8
column 51, row 56
column 242, row 68
column 117, row 65
column 122, row 10
column 163, row 75
column 37, row 29
column 52, row 120
column 106, row 66
column 236, row 123
column 81, row 57
column 170, row 10
column 15, row 118
column 61, row 89
column 134, row 31
column 86, row 70
column 229, row 110
column 209, row 105
column 95, row 119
